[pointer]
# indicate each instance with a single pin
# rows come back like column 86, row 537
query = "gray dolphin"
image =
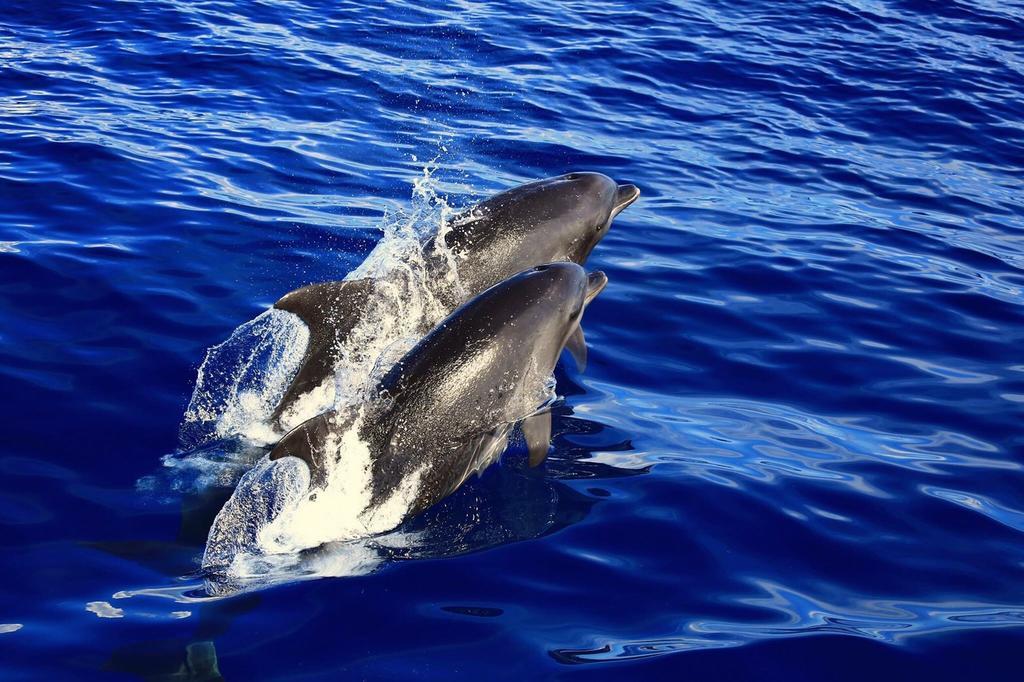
column 556, row 219
column 447, row 408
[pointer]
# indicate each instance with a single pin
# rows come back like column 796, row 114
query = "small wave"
column 793, row 614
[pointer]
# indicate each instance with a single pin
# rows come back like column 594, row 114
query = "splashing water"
column 241, row 380
column 415, row 276
column 271, row 517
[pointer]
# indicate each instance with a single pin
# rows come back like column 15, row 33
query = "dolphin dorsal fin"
column 537, row 433
column 330, row 311
column 306, row 441
column 320, row 305
column 577, row 346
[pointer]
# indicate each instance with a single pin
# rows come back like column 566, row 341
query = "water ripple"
column 802, row 409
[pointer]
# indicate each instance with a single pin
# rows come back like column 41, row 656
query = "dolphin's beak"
column 596, row 282
column 625, row 196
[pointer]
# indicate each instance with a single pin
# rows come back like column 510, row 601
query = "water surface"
column 797, row 449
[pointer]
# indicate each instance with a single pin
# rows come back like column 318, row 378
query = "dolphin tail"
column 330, row 310
column 201, row 662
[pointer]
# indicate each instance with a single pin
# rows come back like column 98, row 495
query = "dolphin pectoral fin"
column 330, row 310
column 537, row 432
column 577, row 347
column 480, row 451
column 306, row 441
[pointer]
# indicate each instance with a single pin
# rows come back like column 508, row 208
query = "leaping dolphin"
column 557, row 219
column 446, row 409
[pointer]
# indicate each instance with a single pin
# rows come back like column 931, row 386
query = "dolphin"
column 447, row 408
column 556, row 219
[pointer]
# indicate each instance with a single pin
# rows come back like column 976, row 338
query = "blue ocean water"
column 796, row 453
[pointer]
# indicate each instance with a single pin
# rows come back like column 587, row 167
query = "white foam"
column 307, row 406
column 272, row 513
